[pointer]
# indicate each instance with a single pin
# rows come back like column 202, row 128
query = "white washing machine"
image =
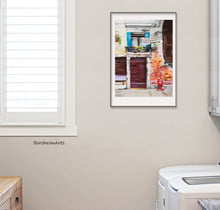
column 177, row 183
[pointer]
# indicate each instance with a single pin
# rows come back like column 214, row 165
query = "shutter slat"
column 32, row 12
column 32, row 78
column 32, row 103
column 32, row 20
column 31, row 110
column 31, row 62
column 32, row 3
column 32, row 37
column 30, row 96
column 31, row 71
column 31, row 29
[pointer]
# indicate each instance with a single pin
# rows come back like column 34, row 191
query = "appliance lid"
column 165, row 174
column 204, row 187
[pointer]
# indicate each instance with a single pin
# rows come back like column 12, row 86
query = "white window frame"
column 67, row 127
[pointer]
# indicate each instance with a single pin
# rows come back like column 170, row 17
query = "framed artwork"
column 143, row 59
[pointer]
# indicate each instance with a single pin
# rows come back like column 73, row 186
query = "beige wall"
column 114, row 161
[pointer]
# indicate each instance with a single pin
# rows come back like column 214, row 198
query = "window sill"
column 19, row 130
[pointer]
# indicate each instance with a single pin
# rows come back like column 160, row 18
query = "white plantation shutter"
column 32, row 62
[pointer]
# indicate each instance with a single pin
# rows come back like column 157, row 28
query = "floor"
column 143, row 93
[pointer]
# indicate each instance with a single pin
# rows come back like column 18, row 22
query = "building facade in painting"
column 143, row 56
